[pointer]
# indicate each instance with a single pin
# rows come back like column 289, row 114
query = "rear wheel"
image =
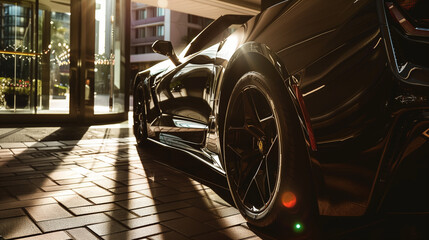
column 139, row 115
column 266, row 159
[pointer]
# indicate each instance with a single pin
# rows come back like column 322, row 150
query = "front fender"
column 253, row 56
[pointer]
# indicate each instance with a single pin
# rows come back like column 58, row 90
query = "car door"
column 183, row 98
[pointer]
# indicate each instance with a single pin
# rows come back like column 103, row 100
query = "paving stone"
column 45, row 194
column 16, row 183
column 225, row 211
column 43, row 182
column 26, row 203
column 48, row 148
column 121, row 214
column 254, row 238
column 122, row 175
column 47, row 212
column 50, row 236
column 138, row 232
column 17, row 169
column 82, row 234
column 197, row 214
column 60, row 175
column 227, row 221
column 135, row 187
column 13, row 145
column 148, row 220
column 11, row 213
column 94, row 208
column 107, row 183
column 67, row 187
column 169, row 236
column 158, row 192
column 5, row 152
column 89, row 192
column 17, row 227
column 70, row 142
column 137, row 181
column 204, row 203
column 237, row 232
column 115, row 197
column 212, row 236
column 137, row 203
column 71, row 201
column 159, row 208
column 34, row 144
column 188, row 226
column 52, row 143
column 72, row 222
column 107, row 228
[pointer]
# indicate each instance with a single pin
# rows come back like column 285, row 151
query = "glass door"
column 34, row 57
column 17, row 57
column 54, row 49
column 109, row 90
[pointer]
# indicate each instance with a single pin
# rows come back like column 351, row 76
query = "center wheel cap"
column 261, row 146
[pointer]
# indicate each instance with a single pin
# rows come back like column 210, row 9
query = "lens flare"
column 289, row 199
column 298, row 227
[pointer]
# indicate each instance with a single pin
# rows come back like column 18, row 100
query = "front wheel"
column 266, row 159
column 139, row 114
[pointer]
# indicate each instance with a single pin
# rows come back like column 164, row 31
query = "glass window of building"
column 160, row 12
column 141, row 14
column 160, row 30
column 140, row 33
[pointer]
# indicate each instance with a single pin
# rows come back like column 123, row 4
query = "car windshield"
column 223, row 26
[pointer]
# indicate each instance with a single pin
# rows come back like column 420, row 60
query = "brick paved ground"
column 103, row 189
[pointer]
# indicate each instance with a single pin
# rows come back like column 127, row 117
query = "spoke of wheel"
column 250, row 112
column 266, row 163
column 237, row 129
column 242, row 154
column 268, row 176
column 259, row 191
column 244, row 130
column 252, row 179
column 267, row 122
column 234, row 150
column 272, row 145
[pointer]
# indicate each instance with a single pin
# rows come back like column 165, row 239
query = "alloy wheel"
column 252, row 150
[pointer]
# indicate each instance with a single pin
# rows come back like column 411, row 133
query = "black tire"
column 265, row 154
column 139, row 115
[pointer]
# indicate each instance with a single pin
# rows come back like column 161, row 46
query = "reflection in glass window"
column 160, row 30
column 54, row 84
column 108, row 89
column 21, row 90
column 160, row 12
column 141, row 14
column 140, row 33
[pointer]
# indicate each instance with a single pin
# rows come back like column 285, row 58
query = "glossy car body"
column 359, row 83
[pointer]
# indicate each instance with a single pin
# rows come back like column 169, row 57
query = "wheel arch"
column 254, row 56
column 143, row 77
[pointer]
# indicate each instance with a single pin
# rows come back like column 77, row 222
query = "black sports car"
column 309, row 108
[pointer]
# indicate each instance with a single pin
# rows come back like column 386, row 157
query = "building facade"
column 149, row 24
column 64, row 61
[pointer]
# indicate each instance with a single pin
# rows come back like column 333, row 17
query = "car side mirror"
column 165, row 48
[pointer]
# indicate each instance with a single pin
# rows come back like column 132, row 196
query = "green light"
column 298, row 227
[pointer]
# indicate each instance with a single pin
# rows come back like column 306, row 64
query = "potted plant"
column 20, row 89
